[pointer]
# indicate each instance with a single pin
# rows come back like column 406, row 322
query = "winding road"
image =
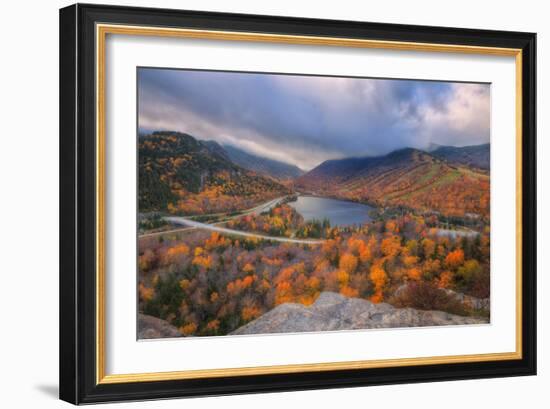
column 198, row 225
column 261, row 208
column 192, row 224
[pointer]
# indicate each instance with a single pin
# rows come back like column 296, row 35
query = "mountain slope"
column 264, row 166
column 183, row 175
column 407, row 177
column 477, row 156
column 216, row 149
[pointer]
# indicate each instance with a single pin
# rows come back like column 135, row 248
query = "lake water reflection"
column 338, row 212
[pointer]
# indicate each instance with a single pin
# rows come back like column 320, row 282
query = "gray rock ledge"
column 334, row 312
column 150, row 327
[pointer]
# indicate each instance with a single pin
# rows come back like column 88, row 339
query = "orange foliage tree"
column 378, row 277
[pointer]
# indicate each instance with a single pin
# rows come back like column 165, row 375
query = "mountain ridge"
column 470, row 155
column 477, row 156
column 406, row 177
column 262, row 165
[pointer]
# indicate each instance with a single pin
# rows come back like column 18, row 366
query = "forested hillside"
column 407, row 177
column 179, row 174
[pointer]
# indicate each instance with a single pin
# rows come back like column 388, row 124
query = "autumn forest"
column 419, row 252
column 229, row 234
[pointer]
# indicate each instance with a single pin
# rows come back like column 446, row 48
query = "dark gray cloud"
column 307, row 119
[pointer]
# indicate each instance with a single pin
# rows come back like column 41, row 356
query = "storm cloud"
column 305, row 120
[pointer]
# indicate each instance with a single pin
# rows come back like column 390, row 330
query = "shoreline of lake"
column 339, row 212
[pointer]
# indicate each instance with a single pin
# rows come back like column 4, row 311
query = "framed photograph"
column 258, row 203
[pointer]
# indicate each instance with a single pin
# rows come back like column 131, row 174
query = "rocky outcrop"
column 150, row 327
column 333, row 312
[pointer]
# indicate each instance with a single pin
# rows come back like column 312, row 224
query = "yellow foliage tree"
column 249, row 313
column 414, row 273
column 343, row 278
column 391, row 246
column 378, row 277
column 188, row 329
column 248, row 268
column 454, row 259
column 428, row 245
column 348, row 263
column 184, row 284
column 347, row 291
column 146, row 293
column 445, row 280
column 283, row 293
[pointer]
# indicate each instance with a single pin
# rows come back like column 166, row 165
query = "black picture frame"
column 78, row 360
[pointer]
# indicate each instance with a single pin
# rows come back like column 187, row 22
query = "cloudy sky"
column 305, row 120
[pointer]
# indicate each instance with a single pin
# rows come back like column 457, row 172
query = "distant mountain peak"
column 270, row 167
column 432, row 147
column 477, row 156
column 215, row 148
column 407, row 152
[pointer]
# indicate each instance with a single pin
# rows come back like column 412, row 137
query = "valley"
column 226, row 236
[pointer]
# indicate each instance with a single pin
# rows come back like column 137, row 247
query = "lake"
column 338, row 212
